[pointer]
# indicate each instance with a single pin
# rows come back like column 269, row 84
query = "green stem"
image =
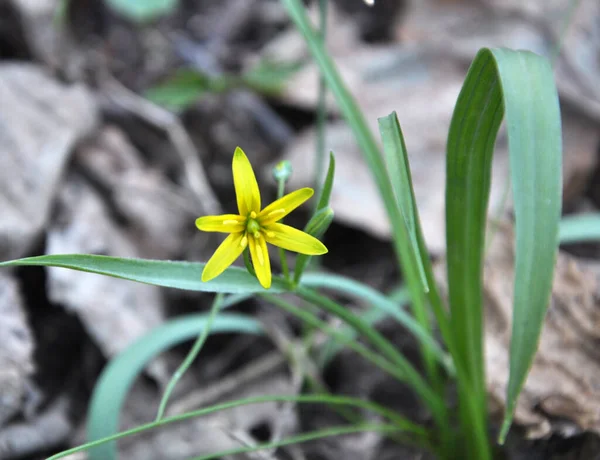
column 322, row 107
column 373, row 157
column 311, row 319
column 189, row 359
column 406, row 370
column 563, row 32
column 320, row 434
column 282, row 256
column 399, row 422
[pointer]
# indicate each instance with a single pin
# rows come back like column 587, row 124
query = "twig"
column 264, row 365
column 42, row 432
column 171, row 125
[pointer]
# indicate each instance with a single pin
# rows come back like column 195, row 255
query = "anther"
column 244, row 242
column 252, row 215
column 271, row 234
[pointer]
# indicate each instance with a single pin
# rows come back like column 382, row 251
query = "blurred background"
column 118, row 122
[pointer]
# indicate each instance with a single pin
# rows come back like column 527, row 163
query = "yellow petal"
column 246, row 187
column 284, row 205
column 260, row 260
column 292, row 239
column 226, row 223
column 224, row 256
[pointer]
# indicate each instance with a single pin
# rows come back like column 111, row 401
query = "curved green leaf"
column 166, row 273
column 580, row 228
column 143, row 10
column 121, row 372
column 382, row 304
column 520, row 86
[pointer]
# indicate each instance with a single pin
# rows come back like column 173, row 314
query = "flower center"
column 253, row 227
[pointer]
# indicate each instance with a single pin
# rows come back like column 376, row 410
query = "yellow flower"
column 254, row 227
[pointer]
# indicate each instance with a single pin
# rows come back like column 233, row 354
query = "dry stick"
column 44, row 431
column 262, row 366
column 172, row 126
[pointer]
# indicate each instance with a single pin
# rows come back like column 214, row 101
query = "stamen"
column 276, row 212
column 252, row 215
column 271, row 234
column 244, row 242
column 261, row 259
column 230, row 222
column 257, row 235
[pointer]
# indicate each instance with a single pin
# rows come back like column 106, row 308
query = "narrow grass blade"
column 400, row 423
column 317, row 226
column 519, row 85
column 190, row 357
column 580, row 228
column 306, row 437
column 382, row 303
column 120, row 373
column 166, row 273
column 325, row 193
column 399, row 174
column 303, row 260
column 374, row 159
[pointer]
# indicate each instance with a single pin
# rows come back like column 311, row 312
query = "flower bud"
column 282, row 171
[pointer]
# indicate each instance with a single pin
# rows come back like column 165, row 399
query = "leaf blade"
column 164, row 273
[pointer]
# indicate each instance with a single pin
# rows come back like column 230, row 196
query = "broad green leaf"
column 166, row 273
column 580, row 228
column 143, row 10
column 518, row 85
column 121, row 372
column 399, row 174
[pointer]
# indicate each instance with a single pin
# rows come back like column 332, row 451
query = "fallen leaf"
column 562, row 391
column 114, row 312
column 40, row 122
column 16, row 350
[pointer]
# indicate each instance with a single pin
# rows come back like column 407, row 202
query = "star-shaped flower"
column 254, row 228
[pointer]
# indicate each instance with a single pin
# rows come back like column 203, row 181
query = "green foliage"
column 165, row 273
column 184, row 88
column 520, row 84
column 121, row 372
column 516, row 86
column 187, row 86
column 321, row 219
column 580, row 228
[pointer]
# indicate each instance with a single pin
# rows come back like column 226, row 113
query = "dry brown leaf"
column 213, row 432
column 115, row 312
column 16, row 350
column 39, row 28
column 422, row 86
column 40, row 121
column 420, row 79
column 159, row 214
column 562, row 392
